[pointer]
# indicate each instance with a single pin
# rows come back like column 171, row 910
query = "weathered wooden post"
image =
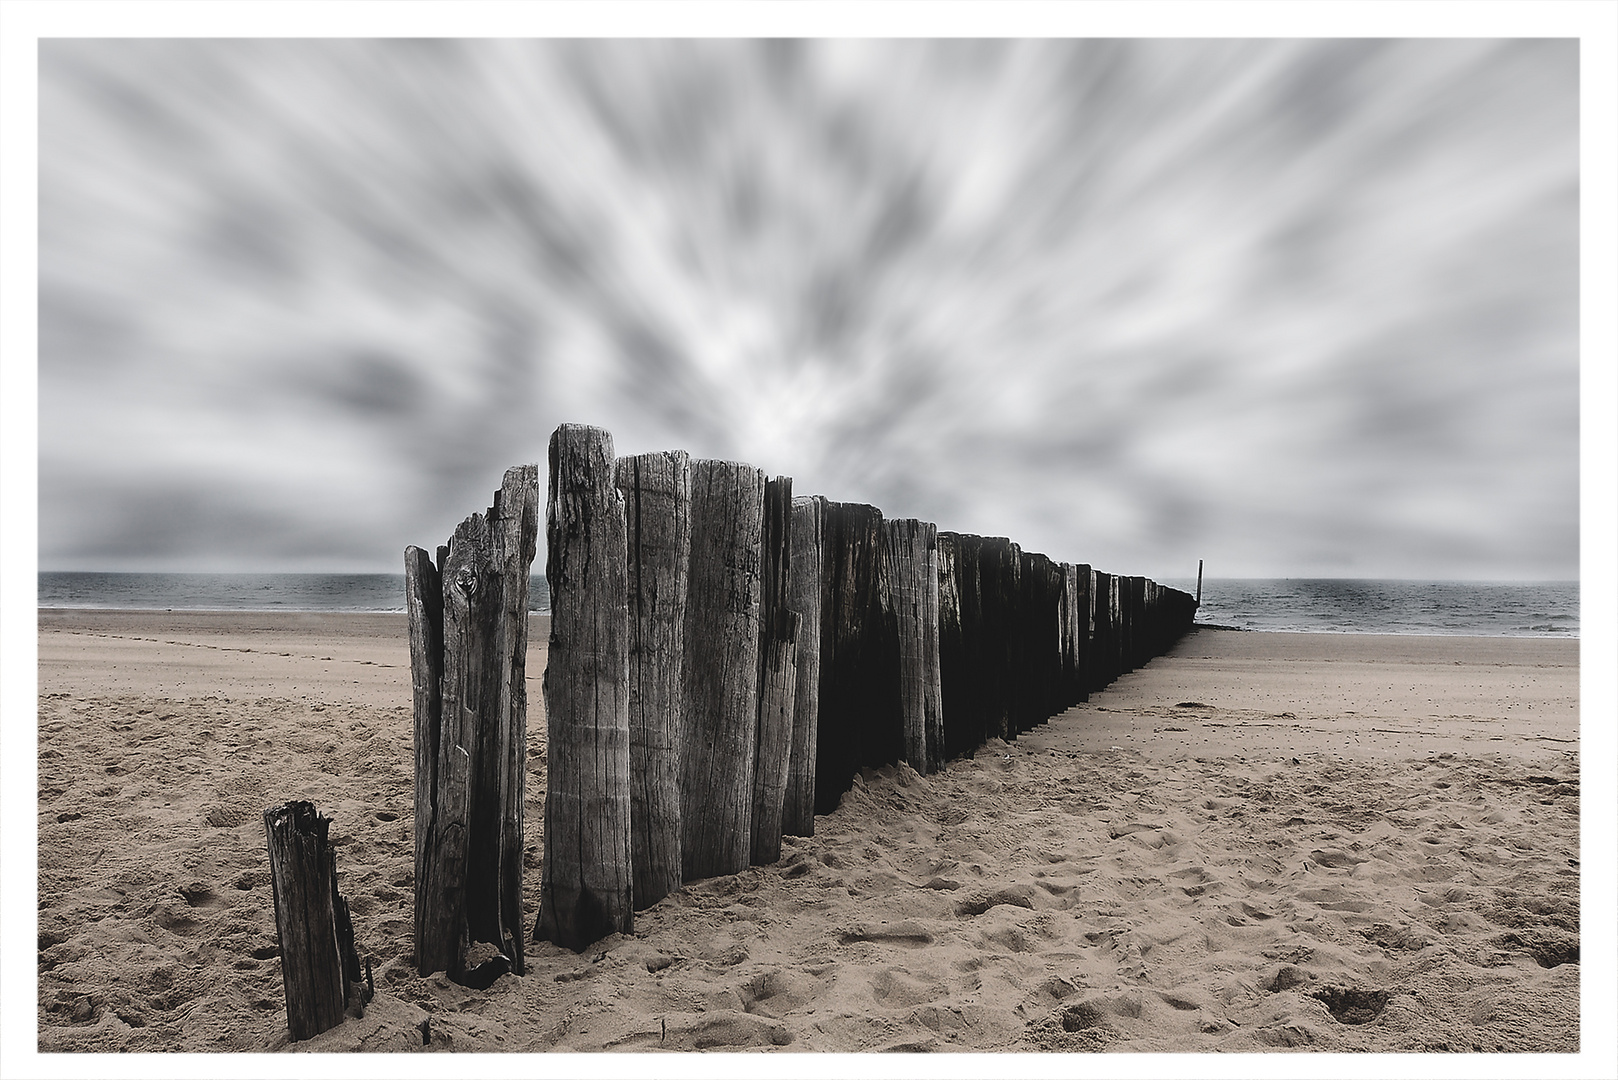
column 468, row 618
column 320, row 967
column 966, row 709
column 777, row 689
column 1101, row 660
column 777, row 676
column 586, row 889
column 657, row 507
column 952, row 672
column 859, row 690
column 910, row 601
column 721, row 668
column 803, row 596
column 1085, row 629
column 1000, row 566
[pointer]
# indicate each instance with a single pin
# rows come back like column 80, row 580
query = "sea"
column 241, row 592
column 1328, row 605
column 1371, row 606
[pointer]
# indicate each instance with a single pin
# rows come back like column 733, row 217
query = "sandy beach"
column 1259, row 842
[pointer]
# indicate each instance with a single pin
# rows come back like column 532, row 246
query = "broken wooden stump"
column 721, row 668
column 586, row 890
column 910, row 601
column 468, row 617
column 803, row 597
column 657, row 502
column 320, row 966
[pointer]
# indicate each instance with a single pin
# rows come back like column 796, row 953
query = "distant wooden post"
column 911, row 601
column 1086, row 629
column 803, row 596
column 721, row 668
column 468, row 618
column 657, row 504
column 1199, row 582
column 777, row 675
column 320, row 967
column 586, row 889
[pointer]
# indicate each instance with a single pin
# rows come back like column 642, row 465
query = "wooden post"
column 952, row 672
column 777, row 676
column 803, row 596
column 320, row 967
column 657, row 505
column 1102, row 660
column 1086, row 630
column 586, row 889
column 966, row 687
column 910, row 600
column 1199, row 582
column 859, row 689
column 777, row 689
column 468, row 617
column 721, row 668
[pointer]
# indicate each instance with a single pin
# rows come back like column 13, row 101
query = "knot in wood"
column 466, row 580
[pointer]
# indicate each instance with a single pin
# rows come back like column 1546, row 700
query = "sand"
column 1261, row 842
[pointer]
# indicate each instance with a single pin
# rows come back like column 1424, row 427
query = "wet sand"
column 1260, row 842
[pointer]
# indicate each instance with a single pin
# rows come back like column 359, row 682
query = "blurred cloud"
column 1295, row 307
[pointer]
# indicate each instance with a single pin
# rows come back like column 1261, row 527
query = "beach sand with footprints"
column 1258, row 842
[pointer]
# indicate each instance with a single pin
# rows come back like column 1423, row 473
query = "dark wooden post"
column 468, row 617
column 657, row 505
column 1085, row 629
column 320, row 967
column 1101, row 665
column 803, row 596
column 966, row 709
column 777, row 676
column 721, row 668
column 586, row 885
column 910, row 600
column 859, row 688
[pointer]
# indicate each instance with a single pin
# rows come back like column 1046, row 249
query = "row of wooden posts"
column 724, row 659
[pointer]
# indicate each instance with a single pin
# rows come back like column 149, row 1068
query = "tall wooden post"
column 803, row 596
column 320, row 967
column 586, row 885
column 777, row 676
column 911, row 603
column 468, row 617
column 657, row 505
column 721, row 668
column 859, row 690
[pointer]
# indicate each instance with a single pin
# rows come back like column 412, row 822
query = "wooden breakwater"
column 817, row 639
column 724, row 660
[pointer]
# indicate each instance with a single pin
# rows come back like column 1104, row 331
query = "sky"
column 1297, row 308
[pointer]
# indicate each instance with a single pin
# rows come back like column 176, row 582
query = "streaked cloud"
column 1298, row 308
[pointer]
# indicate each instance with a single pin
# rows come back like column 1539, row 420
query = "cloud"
column 1293, row 307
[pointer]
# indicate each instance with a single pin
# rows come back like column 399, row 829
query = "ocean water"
column 1365, row 606
column 1340, row 605
column 240, row 592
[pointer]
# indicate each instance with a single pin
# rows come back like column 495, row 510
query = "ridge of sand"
column 1258, row 842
